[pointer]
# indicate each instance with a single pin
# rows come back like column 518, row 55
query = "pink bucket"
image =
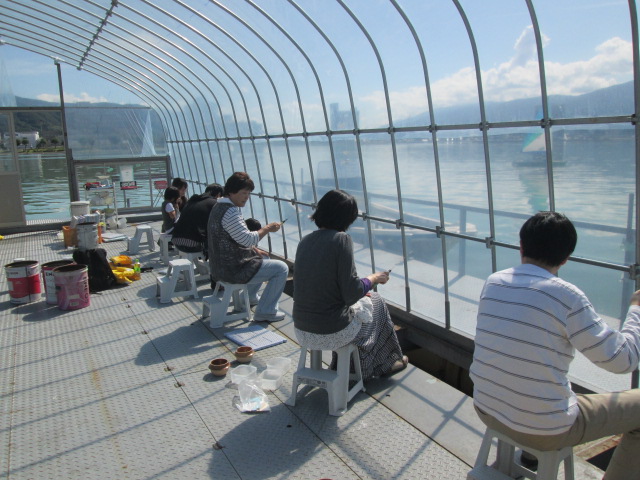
column 72, row 286
column 49, row 281
column 24, row 281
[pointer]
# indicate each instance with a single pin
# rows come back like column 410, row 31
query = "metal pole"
column 74, row 195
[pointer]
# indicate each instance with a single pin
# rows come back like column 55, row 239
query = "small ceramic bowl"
column 219, row 367
column 244, row 354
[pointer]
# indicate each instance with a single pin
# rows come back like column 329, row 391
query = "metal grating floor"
column 121, row 389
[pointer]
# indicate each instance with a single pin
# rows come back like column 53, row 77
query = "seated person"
column 190, row 232
column 254, row 225
column 181, row 184
column 332, row 306
column 169, row 209
column 530, row 323
column 232, row 257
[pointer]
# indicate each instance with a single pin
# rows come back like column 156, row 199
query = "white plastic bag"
column 251, row 398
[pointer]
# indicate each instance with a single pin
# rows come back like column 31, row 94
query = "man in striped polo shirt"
column 530, row 322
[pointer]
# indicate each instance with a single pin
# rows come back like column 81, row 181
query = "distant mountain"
column 34, row 102
column 610, row 101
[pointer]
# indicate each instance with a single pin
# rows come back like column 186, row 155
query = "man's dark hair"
column 214, row 190
column 179, row 183
column 253, row 225
column 548, row 237
column 238, row 181
column 336, row 210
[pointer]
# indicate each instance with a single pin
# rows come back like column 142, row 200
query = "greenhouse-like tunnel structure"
column 451, row 122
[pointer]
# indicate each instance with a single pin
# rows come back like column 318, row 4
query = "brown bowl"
column 219, row 367
column 244, row 354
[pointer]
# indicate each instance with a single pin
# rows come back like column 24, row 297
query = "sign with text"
column 126, row 173
column 126, row 185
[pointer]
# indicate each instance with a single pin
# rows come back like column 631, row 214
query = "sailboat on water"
column 534, row 150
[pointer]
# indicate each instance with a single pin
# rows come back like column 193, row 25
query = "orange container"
column 70, row 236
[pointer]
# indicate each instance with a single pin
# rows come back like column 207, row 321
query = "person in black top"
column 190, row 232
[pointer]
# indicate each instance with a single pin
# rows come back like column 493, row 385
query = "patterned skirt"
column 377, row 342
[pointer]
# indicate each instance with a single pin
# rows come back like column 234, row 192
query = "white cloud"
column 525, row 47
column 71, row 98
column 518, row 77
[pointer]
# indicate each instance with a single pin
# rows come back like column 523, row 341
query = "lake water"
column 593, row 182
column 45, row 187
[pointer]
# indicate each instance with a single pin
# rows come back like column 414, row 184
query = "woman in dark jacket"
column 332, row 306
column 190, row 233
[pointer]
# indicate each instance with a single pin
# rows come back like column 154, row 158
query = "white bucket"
column 87, row 236
column 49, row 281
column 23, row 278
column 79, row 208
column 72, row 286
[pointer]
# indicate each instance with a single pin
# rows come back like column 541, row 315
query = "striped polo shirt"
column 529, row 324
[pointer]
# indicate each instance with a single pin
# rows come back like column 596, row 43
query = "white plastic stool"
column 506, row 468
column 163, row 241
column 219, row 306
column 134, row 243
column 199, row 263
column 166, row 285
column 335, row 382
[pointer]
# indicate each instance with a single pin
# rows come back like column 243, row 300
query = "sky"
column 586, row 46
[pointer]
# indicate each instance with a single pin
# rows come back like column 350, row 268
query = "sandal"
column 399, row 365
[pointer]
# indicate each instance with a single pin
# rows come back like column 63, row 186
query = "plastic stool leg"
column 506, row 453
column 291, row 401
column 152, row 246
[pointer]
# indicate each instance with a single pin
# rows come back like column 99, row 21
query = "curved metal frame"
column 87, row 36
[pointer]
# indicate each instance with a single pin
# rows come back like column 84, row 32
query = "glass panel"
column 28, row 76
column 519, row 178
column 43, row 164
column 249, row 162
column 603, row 288
column 7, row 147
column 426, row 283
column 449, row 58
column 464, row 184
column 469, row 265
column 589, row 60
column 419, row 193
column 507, row 55
column 111, row 132
column 108, row 186
column 402, row 68
column 342, row 70
column 379, row 173
column 595, row 188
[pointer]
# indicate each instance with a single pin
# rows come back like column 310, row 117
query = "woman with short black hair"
column 332, row 306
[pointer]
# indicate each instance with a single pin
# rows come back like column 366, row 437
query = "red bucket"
column 24, row 281
column 72, row 286
column 49, row 281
